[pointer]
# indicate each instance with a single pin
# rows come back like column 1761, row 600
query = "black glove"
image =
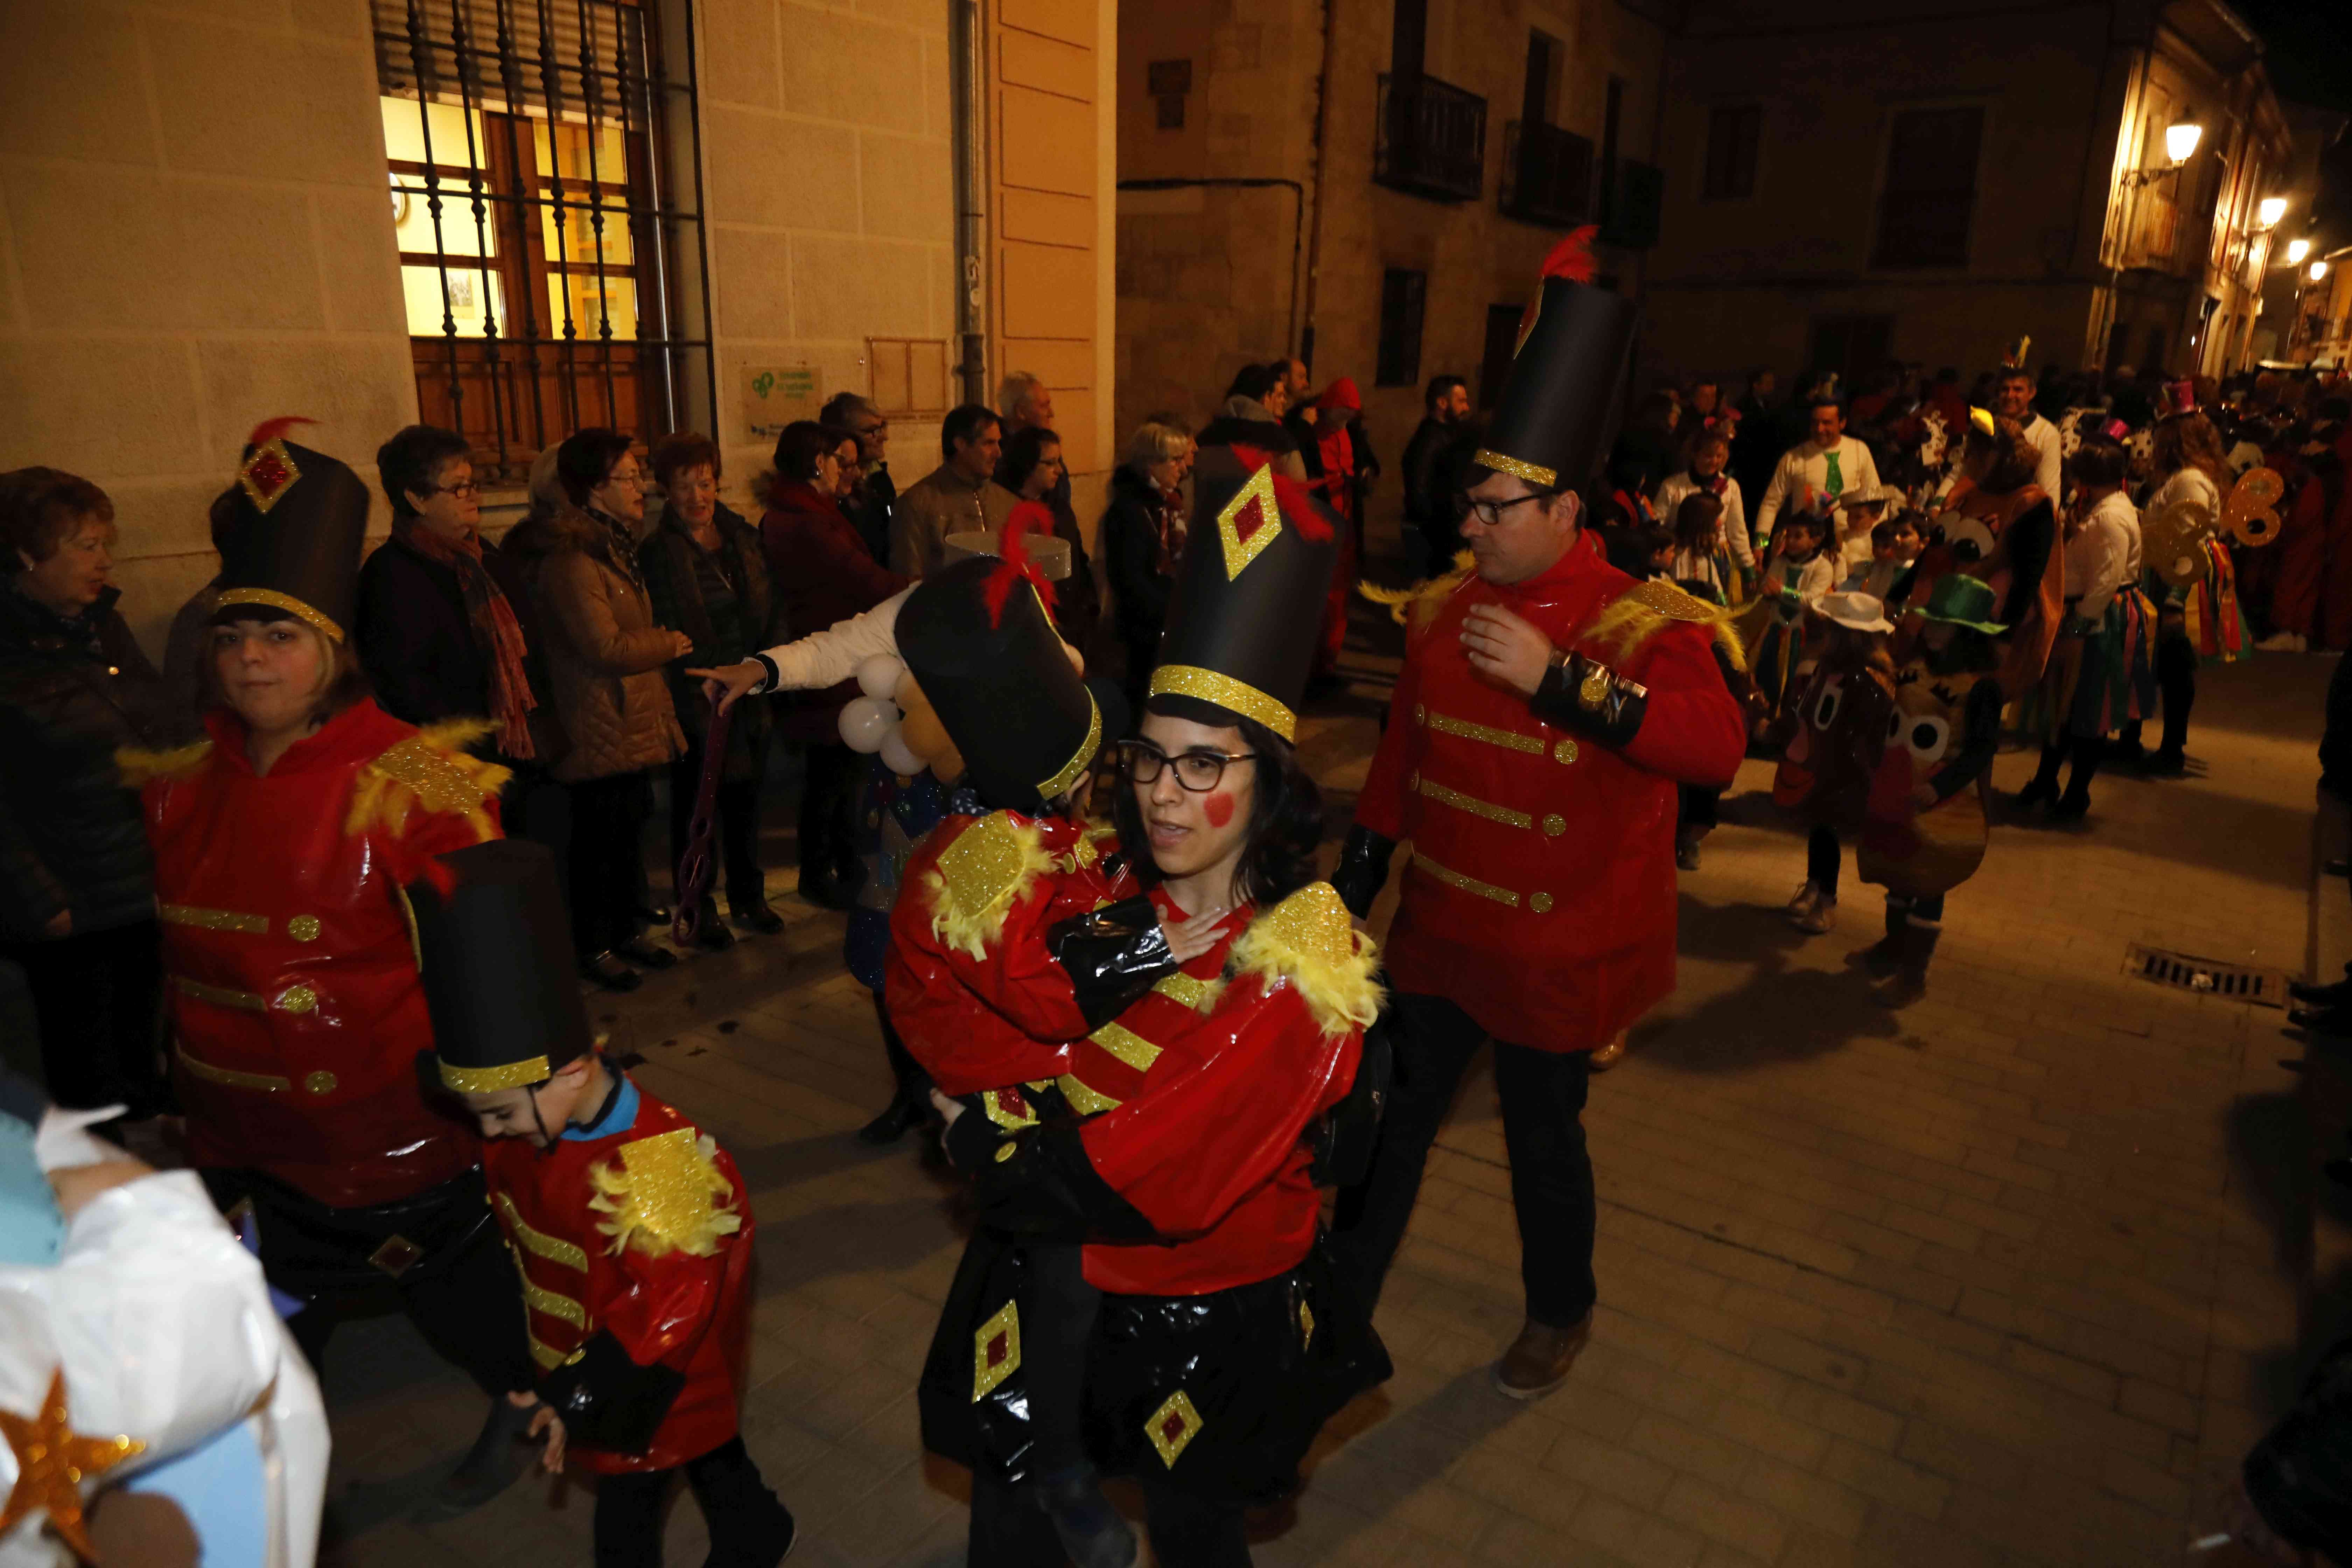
column 1114, row 955
column 608, row 1401
column 1591, row 698
column 1362, row 870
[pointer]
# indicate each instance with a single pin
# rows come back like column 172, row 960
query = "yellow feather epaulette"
column 139, row 765
column 667, row 1194
column 1647, row 608
column 1417, row 606
column 1307, row 943
column 431, row 769
column 978, row 879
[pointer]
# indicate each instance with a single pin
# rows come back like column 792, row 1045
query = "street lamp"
column 2270, row 210
column 2318, row 270
column 2297, row 249
column 2181, row 139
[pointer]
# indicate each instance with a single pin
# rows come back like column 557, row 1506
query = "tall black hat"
column 495, row 948
column 1552, row 420
column 302, row 520
column 982, row 646
column 1246, row 615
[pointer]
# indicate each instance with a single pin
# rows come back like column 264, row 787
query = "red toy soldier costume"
column 1547, row 707
column 281, row 844
column 1223, row 1342
column 627, row 1223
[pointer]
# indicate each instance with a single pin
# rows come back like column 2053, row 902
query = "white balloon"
column 866, row 720
column 878, row 674
column 897, row 756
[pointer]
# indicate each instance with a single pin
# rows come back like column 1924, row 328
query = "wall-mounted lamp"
column 2181, row 139
column 2297, row 249
column 2269, row 210
column 2318, row 270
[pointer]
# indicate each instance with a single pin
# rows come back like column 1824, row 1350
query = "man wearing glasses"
column 871, row 504
column 1547, row 707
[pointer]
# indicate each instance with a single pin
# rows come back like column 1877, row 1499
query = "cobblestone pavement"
column 2006, row 1279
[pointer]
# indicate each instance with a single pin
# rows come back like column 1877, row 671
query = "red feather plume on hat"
column 1029, row 517
column 1572, row 257
column 1293, row 499
column 269, row 430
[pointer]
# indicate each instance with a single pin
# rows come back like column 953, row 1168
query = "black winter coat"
column 1130, row 547
column 71, row 836
column 417, row 645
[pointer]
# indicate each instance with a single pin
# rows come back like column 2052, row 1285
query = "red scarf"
column 496, row 631
column 1172, row 532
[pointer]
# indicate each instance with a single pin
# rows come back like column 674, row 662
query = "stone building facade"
column 194, row 232
column 1897, row 182
column 1363, row 215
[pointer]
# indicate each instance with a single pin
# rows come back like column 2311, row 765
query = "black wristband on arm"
column 607, row 1400
column 1588, row 698
column 1363, row 870
column 1114, row 955
column 1049, row 1191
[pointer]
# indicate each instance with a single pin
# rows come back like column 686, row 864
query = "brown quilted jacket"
column 604, row 650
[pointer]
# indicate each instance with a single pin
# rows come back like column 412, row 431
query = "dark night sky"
column 2310, row 47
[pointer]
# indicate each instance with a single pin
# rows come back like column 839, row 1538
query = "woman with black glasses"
column 1220, row 1342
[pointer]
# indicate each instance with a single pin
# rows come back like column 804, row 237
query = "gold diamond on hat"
column 268, row 473
column 1255, row 505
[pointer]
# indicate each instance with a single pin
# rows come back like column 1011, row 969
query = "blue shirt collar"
column 619, row 1115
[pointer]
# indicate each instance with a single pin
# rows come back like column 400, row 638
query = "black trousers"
column 607, row 859
column 2088, row 751
column 828, row 813
column 1010, row 1531
column 468, row 1305
column 737, row 829
column 1822, row 860
column 97, row 998
column 1699, row 805
column 2175, row 683
column 1543, row 1129
column 742, row 1513
column 1058, row 1309
column 914, row 1083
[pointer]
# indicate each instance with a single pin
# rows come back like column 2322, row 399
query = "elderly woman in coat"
column 605, row 654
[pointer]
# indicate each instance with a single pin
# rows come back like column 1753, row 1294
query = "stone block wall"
column 195, row 236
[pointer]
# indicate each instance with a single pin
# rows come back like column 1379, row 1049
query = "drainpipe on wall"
column 1312, row 220
column 972, row 199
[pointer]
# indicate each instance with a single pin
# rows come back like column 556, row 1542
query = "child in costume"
column 1925, row 827
column 2084, row 689
column 1701, row 564
column 1840, row 724
column 1859, row 512
column 628, row 1224
column 1800, row 572
column 1895, row 544
column 1708, row 454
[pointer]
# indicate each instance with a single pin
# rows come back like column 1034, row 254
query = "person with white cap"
column 1851, row 663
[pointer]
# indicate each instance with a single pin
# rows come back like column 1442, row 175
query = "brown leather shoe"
column 1608, row 1056
column 1539, row 1359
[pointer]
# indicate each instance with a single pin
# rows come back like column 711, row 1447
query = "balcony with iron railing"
column 1547, row 175
column 1429, row 138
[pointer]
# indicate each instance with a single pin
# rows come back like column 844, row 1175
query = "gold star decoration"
column 52, row 1458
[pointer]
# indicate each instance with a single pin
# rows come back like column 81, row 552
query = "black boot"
column 2336, row 995
column 1091, row 1530
column 892, row 1124
column 1910, row 982
column 2043, row 787
column 2336, row 1021
column 2075, row 804
column 497, row 1456
column 1883, row 957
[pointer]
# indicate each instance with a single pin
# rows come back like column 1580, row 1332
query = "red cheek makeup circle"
column 1220, row 809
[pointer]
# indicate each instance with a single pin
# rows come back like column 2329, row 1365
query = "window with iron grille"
column 545, row 197
column 1401, row 295
column 1930, row 197
column 1734, row 133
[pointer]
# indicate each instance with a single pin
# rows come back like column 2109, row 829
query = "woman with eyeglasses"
column 606, row 652
column 1219, row 1340
column 446, row 627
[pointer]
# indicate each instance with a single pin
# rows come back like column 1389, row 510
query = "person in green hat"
column 1926, row 824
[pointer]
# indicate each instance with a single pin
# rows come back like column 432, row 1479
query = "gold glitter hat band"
column 1535, row 474
column 491, row 1080
column 277, row 601
column 1235, row 696
column 1078, row 763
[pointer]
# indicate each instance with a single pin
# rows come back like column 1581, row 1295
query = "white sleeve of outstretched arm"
column 1735, row 526
column 827, row 658
column 1776, row 495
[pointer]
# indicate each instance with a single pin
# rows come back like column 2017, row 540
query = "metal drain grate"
column 2184, row 972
